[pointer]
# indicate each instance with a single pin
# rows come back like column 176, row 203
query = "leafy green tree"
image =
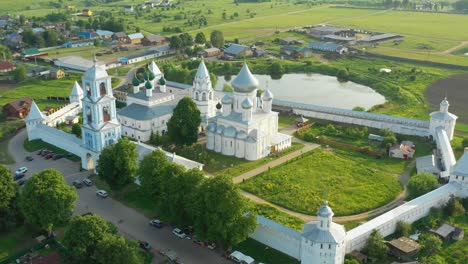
column 402, row 229
column 176, row 43
column 351, row 261
column 76, row 130
column 200, row 38
column 19, row 74
column 11, row 216
column 8, row 187
column 217, row 39
column 183, row 126
column 50, row 38
column 276, row 68
column 389, row 138
column 420, row 184
column 5, row 52
column 359, row 108
column 186, row 39
column 454, row 207
column 465, row 142
column 434, row 260
column 47, row 200
column 430, row 243
column 178, row 193
column 222, row 213
column 375, row 246
column 342, row 75
column 83, row 235
column 118, row 250
column 118, row 163
column 151, row 173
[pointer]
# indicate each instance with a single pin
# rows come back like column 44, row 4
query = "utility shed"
column 404, row 248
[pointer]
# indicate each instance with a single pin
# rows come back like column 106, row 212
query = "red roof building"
column 6, row 66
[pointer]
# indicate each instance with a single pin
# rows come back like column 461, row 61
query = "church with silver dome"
column 245, row 125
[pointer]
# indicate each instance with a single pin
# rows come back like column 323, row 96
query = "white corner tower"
column 203, row 93
column 323, row 241
column 76, row 94
column 100, row 125
column 443, row 118
column 34, row 118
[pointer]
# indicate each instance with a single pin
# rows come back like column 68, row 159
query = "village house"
column 320, row 30
column 104, row 34
column 374, row 39
column 121, row 37
column 154, row 40
column 56, row 73
column 427, row 164
column 237, row 51
column 128, row 9
column 78, row 43
column 6, row 66
column 14, row 41
column 405, row 150
column 17, row 109
column 211, row 52
column 447, row 232
column 403, row 248
column 290, row 41
column 32, row 53
column 328, row 47
column 135, row 38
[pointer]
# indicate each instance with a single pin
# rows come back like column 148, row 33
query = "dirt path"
column 452, row 49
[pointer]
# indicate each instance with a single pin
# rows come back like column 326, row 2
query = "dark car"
column 29, row 158
column 57, row 156
column 77, row 183
column 49, row 156
column 44, row 152
column 156, row 223
column 40, row 151
column 21, row 182
column 144, row 245
column 18, row 176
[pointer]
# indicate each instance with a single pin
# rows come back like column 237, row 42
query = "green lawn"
column 286, row 120
column 279, row 216
column 38, row 144
column 233, row 166
column 5, row 156
column 263, row 253
column 352, row 182
column 15, row 241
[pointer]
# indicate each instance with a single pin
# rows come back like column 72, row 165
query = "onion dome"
column 219, row 105
column 241, row 135
column 227, row 99
column 162, row 81
column 135, row 81
column 148, row 85
column 151, row 76
column 230, row 132
column 244, row 82
column 267, row 96
column 247, row 103
column 146, row 75
column 325, row 210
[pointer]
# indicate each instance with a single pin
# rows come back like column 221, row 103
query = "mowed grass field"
column 352, row 182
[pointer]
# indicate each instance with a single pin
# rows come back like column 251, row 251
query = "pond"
column 316, row 89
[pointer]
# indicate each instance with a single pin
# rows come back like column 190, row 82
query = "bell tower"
column 100, row 125
column 203, row 93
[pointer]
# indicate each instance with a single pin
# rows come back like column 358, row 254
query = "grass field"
column 38, row 144
column 263, row 254
column 15, row 241
column 352, row 182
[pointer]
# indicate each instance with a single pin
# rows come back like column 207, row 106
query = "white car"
column 179, row 233
column 21, row 170
column 102, row 193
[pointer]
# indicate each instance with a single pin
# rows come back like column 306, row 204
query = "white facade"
column 203, row 94
column 443, row 119
column 245, row 126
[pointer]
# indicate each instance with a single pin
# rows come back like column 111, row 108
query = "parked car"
column 21, row 182
column 18, row 176
column 144, row 245
column 57, row 156
column 88, row 182
column 29, row 158
column 179, row 233
column 21, row 170
column 49, row 155
column 102, row 193
column 40, row 151
column 212, row 246
column 198, row 241
column 77, row 183
column 45, row 152
column 156, row 223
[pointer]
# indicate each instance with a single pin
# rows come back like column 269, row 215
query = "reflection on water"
column 316, row 89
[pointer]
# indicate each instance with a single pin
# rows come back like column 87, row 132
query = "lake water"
column 316, row 89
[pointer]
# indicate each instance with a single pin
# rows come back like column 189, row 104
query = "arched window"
column 204, row 96
column 88, row 89
column 89, row 115
column 196, row 96
column 105, row 113
column 102, row 89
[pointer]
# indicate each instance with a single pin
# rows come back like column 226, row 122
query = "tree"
column 200, row 38
column 183, row 126
column 276, row 68
column 178, row 194
column 222, row 213
column 351, row 261
column 454, row 207
column 342, row 75
column 420, row 184
column 19, row 74
column 375, row 246
column 76, row 130
column 8, row 187
column 465, row 142
column 50, row 38
column 116, row 249
column 430, row 243
column 118, row 163
column 389, row 138
column 186, row 39
column 151, row 173
column 434, row 260
column 175, row 42
column 359, row 108
column 5, row 52
column 217, row 39
column 47, row 200
column 83, row 235
column 402, row 229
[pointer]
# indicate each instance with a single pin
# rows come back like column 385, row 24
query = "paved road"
column 130, row 223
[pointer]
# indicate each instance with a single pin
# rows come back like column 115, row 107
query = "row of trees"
column 185, row 40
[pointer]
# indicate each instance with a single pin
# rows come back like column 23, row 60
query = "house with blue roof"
column 105, row 34
column 327, row 47
column 237, row 51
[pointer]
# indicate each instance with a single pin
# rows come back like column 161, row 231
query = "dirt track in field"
column 456, row 89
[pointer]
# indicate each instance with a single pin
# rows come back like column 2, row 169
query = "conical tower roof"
column 77, row 90
column 202, row 71
column 34, row 113
column 245, row 82
column 154, row 68
column 267, row 95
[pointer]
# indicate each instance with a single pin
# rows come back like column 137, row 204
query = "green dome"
column 148, row 85
column 135, row 81
column 151, row 76
column 162, row 81
column 145, row 75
